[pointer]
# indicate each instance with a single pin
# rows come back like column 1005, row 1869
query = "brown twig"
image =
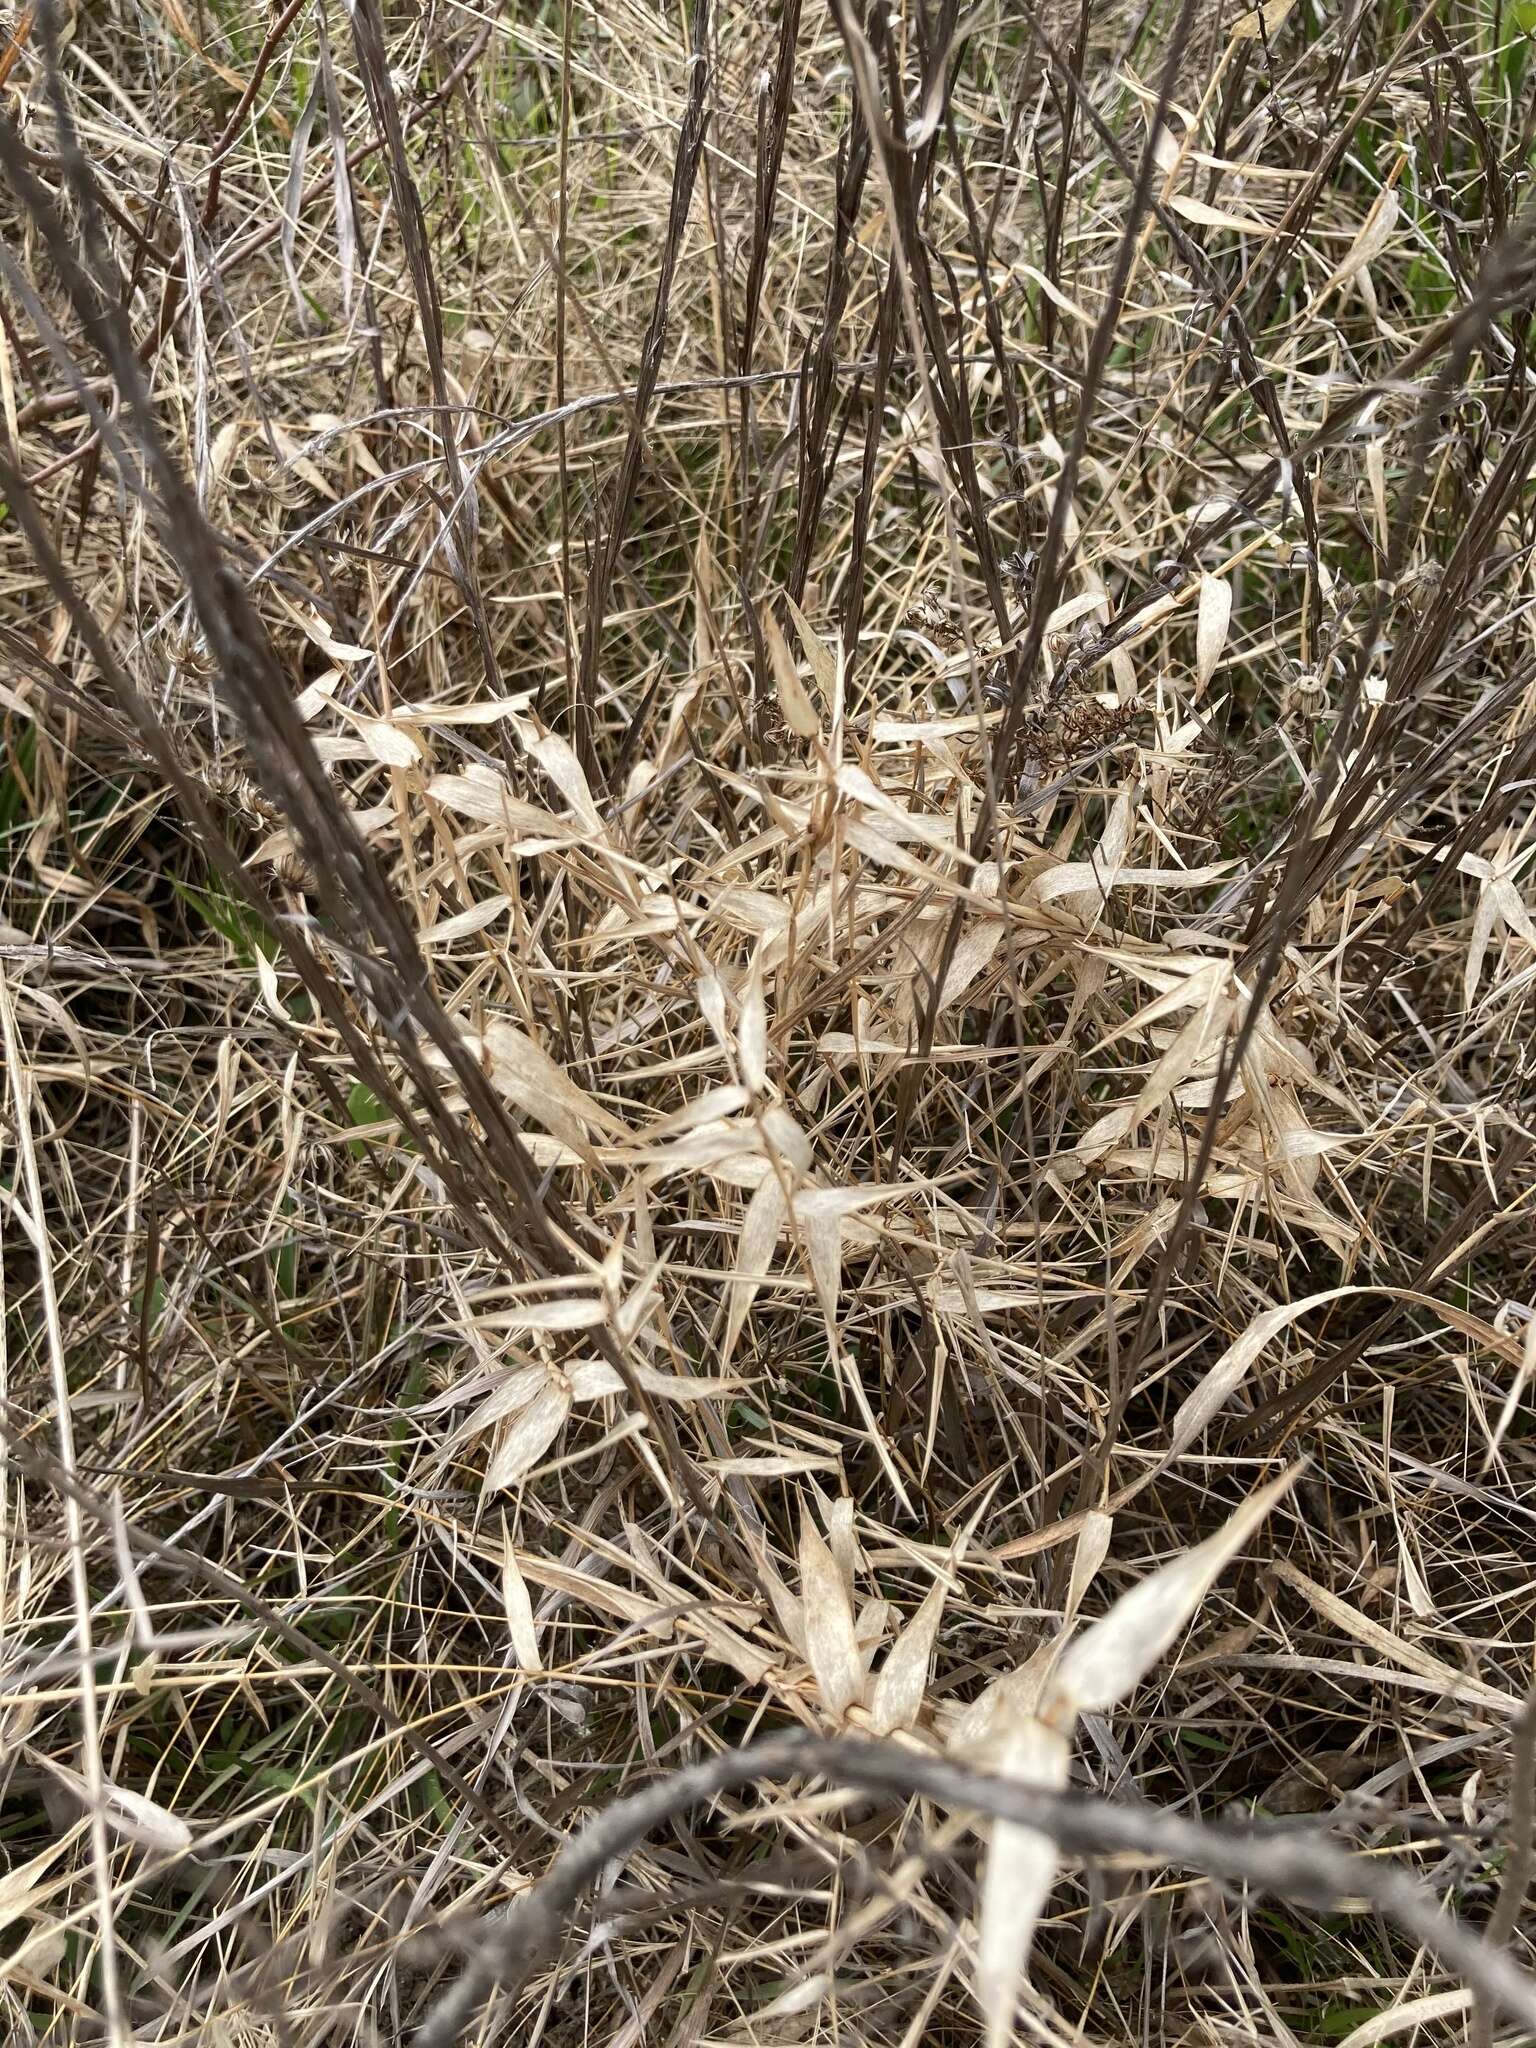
column 16, row 42
column 1291, row 1863
column 1521, row 1867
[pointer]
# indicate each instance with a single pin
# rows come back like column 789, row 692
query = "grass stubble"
column 766, row 1172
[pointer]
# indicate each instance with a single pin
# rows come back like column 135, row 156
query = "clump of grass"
column 765, row 968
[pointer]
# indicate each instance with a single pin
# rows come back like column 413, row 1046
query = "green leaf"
column 1340, row 2020
column 243, row 930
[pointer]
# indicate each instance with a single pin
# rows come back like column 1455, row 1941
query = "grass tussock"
column 766, row 965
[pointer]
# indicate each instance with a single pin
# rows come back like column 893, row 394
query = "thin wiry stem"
column 32, row 1220
column 1515, row 1885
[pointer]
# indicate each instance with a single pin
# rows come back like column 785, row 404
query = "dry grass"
column 766, row 842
